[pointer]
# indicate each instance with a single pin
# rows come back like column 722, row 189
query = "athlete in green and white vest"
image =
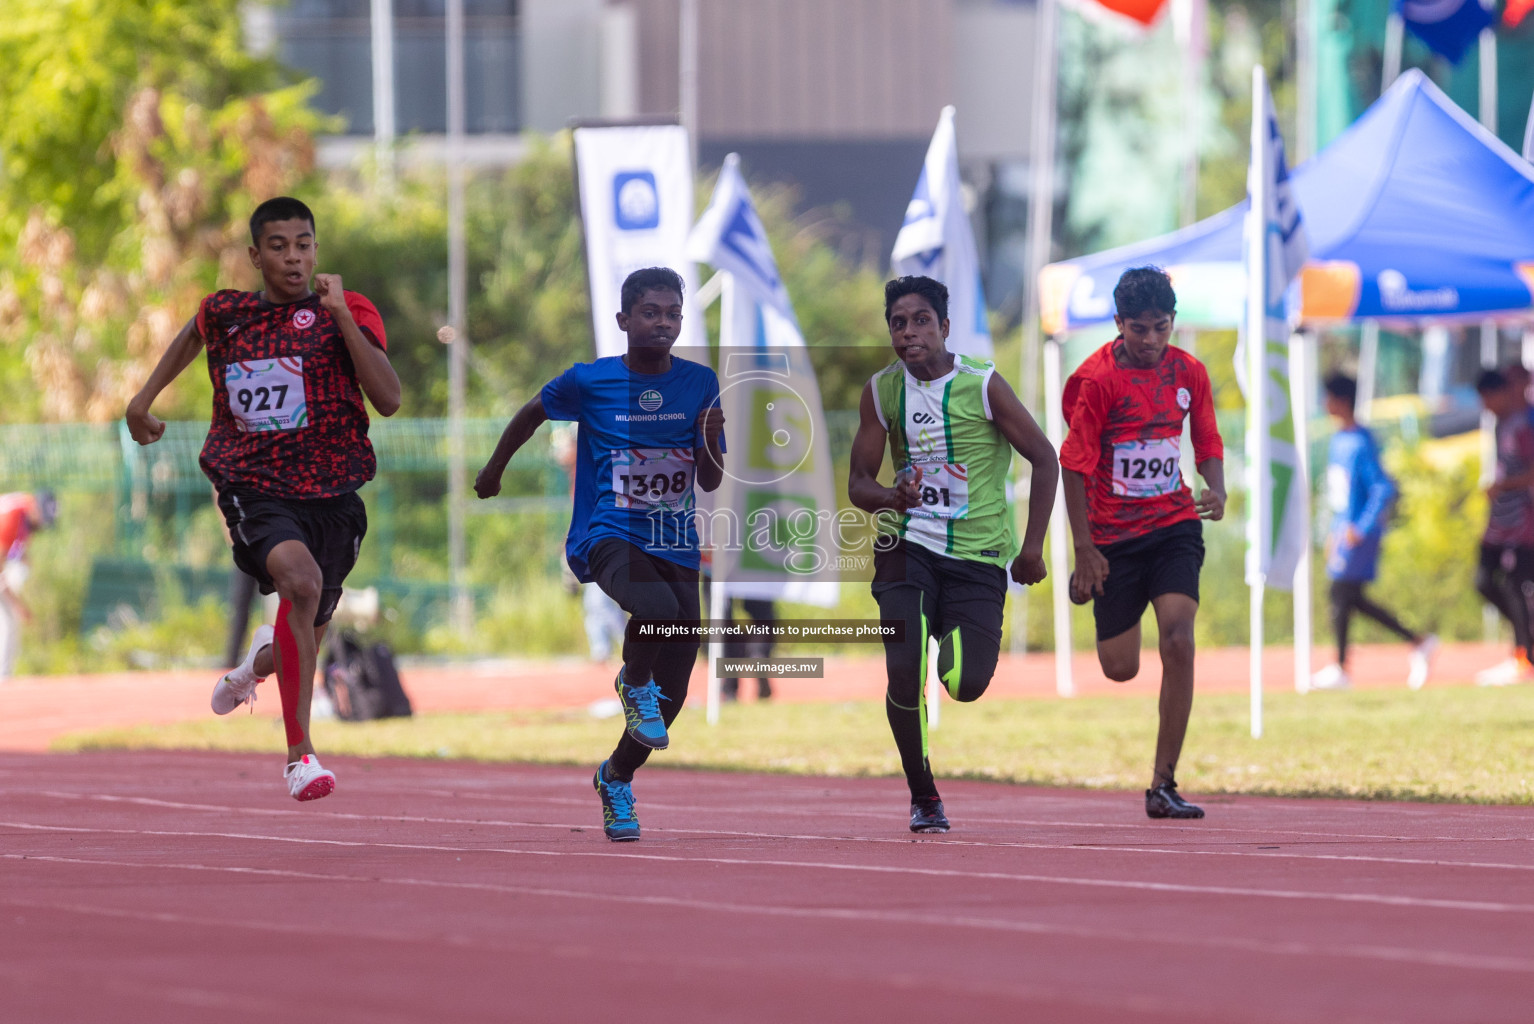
column 944, row 428
column 950, row 423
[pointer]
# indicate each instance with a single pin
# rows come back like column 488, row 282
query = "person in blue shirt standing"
column 1360, row 494
column 650, row 428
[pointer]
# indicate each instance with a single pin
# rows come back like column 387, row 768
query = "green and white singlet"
column 944, row 426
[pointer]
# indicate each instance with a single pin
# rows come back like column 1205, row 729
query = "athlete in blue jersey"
column 1359, row 494
column 650, row 429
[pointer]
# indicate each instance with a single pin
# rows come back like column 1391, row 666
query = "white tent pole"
column 1300, row 390
column 1488, row 83
column 687, row 76
column 1256, row 391
column 1395, row 38
column 1368, row 363
column 1059, row 565
column 457, row 315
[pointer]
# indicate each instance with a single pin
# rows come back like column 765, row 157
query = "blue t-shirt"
column 634, row 450
column 1359, row 493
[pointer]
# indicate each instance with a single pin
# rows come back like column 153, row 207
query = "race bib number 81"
column 1147, row 469
column 944, row 491
column 267, row 394
column 648, row 478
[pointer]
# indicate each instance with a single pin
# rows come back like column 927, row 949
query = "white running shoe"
column 239, row 685
column 1422, row 662
column 1506, row 673
column 307, row 780
column 1332, row 677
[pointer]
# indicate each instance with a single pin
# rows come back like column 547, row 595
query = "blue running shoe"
column 641, row 713
column 619, row 821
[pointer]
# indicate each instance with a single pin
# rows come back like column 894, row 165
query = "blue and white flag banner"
column 1448, row 27
column 771, row 523
column 636, row 209
column 937, row 241
column 1276, row 249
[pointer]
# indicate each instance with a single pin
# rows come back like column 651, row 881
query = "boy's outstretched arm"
column 183, row 349
column 527, row 419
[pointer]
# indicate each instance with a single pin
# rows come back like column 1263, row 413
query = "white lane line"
column 1435, row 958
column 901, row 841
column 1161, row 828
column 1378, row 899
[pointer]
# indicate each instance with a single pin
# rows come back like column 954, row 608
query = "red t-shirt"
column 288, row 418
column 1126, row 435
column 16, row 511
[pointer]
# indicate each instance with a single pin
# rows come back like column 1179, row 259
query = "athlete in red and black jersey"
column 1134, row 521
column 287, row 451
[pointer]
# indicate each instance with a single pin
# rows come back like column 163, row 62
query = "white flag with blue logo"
column 1276, row 249
column 636, row 207
column 937, row 241
column 770, row 523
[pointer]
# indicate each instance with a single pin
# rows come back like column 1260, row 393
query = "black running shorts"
column 1140, row 569
column 331, row 528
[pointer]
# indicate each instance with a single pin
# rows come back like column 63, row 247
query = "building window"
column 332, row 41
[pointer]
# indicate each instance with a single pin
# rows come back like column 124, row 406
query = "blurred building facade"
column 837, row 100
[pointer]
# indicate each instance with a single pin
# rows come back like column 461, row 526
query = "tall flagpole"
column 1256, row 389
column 1041, row 192
column 687, row 77
column 457, row 316
column 1041, row 208
column 382, row 25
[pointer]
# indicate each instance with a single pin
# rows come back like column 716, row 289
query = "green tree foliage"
column 529, row 307
column 131, row 158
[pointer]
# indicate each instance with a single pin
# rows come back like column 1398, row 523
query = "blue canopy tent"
column 1416, row 212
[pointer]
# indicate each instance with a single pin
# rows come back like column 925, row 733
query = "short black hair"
column 275, row 209
column 935, row 292
column 1340, row 385
column 1144, row 290
column 641, row 281
column 1490, row 380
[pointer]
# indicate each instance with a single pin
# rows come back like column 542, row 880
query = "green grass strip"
column 1458, row 744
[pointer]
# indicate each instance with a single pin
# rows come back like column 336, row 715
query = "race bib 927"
column 267, row 394
column 1147, row 469
column 647, row 478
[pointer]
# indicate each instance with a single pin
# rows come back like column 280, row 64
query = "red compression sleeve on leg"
column 286, row 651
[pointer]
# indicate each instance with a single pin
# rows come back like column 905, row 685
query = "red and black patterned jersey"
column 1126, row 439
column 288, row 418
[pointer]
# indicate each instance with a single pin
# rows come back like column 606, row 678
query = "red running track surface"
column 189, row 887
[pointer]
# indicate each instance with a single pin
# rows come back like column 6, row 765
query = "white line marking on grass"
column 1435, row 958
column 1378, row 899
column 902, row 840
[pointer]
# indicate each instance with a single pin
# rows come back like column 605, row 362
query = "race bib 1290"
column 1147, row 469
column 267, row 394
column 647, row 478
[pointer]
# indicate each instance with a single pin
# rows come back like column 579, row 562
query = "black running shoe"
column 927, row 815
column 1164, row 802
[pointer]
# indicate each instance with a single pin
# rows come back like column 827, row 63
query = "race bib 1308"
column 648, row 478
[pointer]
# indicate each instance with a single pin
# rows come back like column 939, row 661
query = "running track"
column 188, row 887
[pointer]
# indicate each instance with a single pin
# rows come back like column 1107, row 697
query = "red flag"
column 1145, row 11
column 1515, row 11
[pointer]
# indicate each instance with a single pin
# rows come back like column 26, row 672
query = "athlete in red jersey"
column 1134, row 520
column 286, row 451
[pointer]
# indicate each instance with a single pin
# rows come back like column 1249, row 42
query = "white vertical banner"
column 937, row 241
column 777, row 495
column 1276, row 249
column 635, row 185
